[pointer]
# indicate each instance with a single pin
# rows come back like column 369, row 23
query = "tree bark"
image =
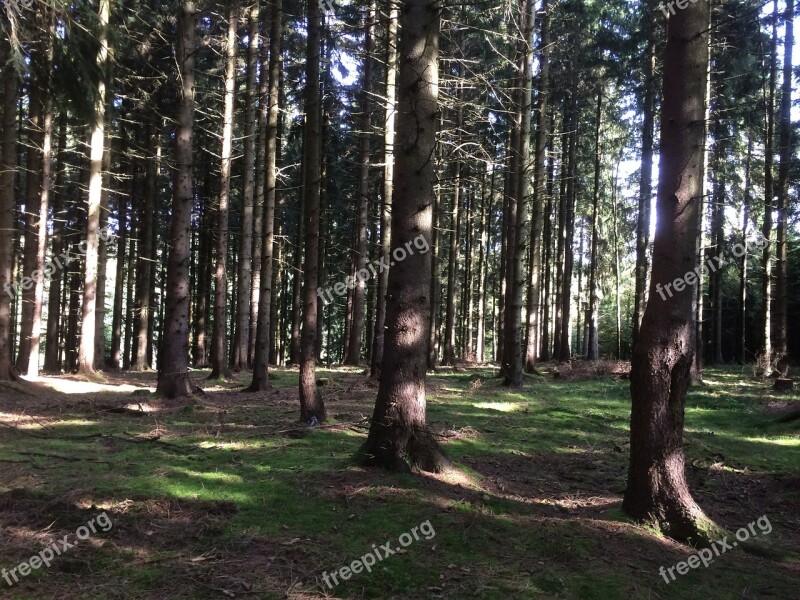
column 86, row 353
column 362, row 201
column 219, row 355
column 786, row 152
column 173, row 363
column 388, row 181
column 646, row 177
column 241, row 335
column 312, row 408
column 593, row 347
column 8, row 169
column 398, row 439
column 657, row 491
column 260, row 381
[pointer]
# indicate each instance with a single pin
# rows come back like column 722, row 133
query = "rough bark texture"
column 173, row 363
column 241, row 338
column 8, row 168
column 86, row 362
column 261, row 359
column 646, row 177
column 388, row 182
column 398, row 438
column 786, row 152
column 219, row 355
column 657, row 491
column 312, row 408
column 362, row 201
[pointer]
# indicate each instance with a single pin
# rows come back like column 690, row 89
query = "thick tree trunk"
column 219, row 355
column 657, row 490
column 268, row 290
column 398, row 436
column 173, row 363
column 388, row 181
column 8, row 169
column 312, row 408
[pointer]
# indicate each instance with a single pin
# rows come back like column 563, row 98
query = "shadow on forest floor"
column 229, row 497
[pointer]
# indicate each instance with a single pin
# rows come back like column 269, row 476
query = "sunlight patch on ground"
column 499, row 406
column 71, row 386
column 21, row 421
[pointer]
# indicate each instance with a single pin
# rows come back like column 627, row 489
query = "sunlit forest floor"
column 230, row 497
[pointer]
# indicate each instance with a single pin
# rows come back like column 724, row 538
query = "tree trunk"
column 86, row 352
column 219, row 356
column 657, row 491
column 8, row 169
column 388, row 181
column 741, row 321
column 362, row 202
column 312, row 408
column 260, row 381
column 52, row 364
column 769, row 192
column 593, row 347
column 646, row 177
column 534, row 325
column 452, row 263
column 512, row 354
column 241, row 336
column 398, row 438
column 173, row 363
column 786, row 152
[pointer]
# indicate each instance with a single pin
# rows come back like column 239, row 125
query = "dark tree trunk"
column 52, row 363
column 312, row 408
column 398, row 436
column 173, row 363
column 786, row 152
column 269, row 290
column 8, row 169
column 657, row 491
column 593, row 347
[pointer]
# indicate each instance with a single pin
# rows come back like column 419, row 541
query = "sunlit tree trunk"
column 86, row 354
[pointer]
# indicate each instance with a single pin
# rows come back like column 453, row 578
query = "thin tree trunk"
column 646, row 178
column 268, row 289
column 388, row 181
column 741, row 338
column 362, row 201
column 593, row 347
column 173, row 363
column 8, row 169
column 219, row 356
column 786, row 152
column 769, row 193
column 241, row 336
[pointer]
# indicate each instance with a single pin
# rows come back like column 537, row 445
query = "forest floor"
column 230, row 497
